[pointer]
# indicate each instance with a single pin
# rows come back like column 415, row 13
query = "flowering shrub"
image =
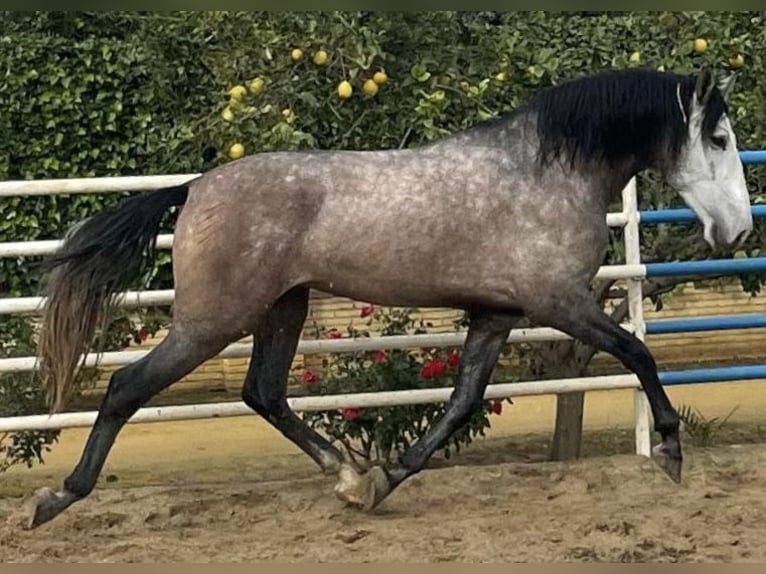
column 380, row 434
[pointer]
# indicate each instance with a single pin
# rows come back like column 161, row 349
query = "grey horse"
column 504, row 220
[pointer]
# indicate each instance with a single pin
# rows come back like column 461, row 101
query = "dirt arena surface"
column 617, row 508
column 235, row 490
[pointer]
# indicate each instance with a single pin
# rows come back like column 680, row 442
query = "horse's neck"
column 517, row 136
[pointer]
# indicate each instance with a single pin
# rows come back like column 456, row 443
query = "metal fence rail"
column 633, row 272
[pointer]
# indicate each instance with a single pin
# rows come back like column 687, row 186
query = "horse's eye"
column 718, row 141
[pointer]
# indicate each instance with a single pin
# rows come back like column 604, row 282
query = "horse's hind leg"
column 274, row 345
column 129, row 388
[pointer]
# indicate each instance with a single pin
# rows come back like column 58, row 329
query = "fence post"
column 636, row 311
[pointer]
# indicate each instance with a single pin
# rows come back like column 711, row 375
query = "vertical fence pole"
column 636, row 311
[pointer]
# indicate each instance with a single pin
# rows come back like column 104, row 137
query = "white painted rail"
column 166, row 296
column 632, row 271
column 324, row 402
column 48, row 247
column 26, row 188
column 315, row 347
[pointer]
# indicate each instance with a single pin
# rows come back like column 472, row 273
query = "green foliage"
column 381, row 433
column 700, row 429
column 120, row 93
column 21, row 395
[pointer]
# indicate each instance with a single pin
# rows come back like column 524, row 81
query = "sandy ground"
column 233, row 490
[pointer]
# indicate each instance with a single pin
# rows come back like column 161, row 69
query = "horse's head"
column 709, row 174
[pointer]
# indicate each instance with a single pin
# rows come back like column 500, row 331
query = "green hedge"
column 95, row 94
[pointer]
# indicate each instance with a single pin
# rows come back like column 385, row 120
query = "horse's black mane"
column 615, row 115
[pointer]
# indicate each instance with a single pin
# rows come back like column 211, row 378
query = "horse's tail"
column 98, row 259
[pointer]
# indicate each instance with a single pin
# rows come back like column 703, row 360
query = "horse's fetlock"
column 668, row 425
column 78, row 487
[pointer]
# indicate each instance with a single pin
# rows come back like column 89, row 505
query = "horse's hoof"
column 667, row 455
column 44, row 505
column 364, row 491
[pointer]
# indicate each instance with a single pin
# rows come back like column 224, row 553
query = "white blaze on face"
column 711, row 180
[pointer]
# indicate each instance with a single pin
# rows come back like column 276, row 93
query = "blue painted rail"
column 711, row 323
column 684, row 215
column 712, row 375
column 753, row 156
column 706, row 267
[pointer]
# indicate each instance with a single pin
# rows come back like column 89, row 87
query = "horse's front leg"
column 487, row 333
column 577, row 314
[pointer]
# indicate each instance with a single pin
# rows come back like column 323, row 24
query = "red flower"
column 308, row 377
column 438, row 367
column 350, row 414
column 367, row 310
column 334, row 334
column 380, row 356
column 433, row 368
column 453, row 359
column 140, row 335
column 496, row 407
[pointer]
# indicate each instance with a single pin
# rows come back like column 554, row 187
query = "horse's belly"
column 417, row 284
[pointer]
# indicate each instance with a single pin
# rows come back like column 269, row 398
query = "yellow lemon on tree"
column 501, row 76
column 320, row 57
column 737, row 61
column 296, row 54
column 236, row 151
column 238, row 92
column 699, row 45
column 379, row 77
column 227, row 114
column 256, row 86
column 635, row 57
column 370, row 87
column 344, row 90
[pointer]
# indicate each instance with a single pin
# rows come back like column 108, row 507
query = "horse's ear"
column 705, row 83
column 725, row 84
